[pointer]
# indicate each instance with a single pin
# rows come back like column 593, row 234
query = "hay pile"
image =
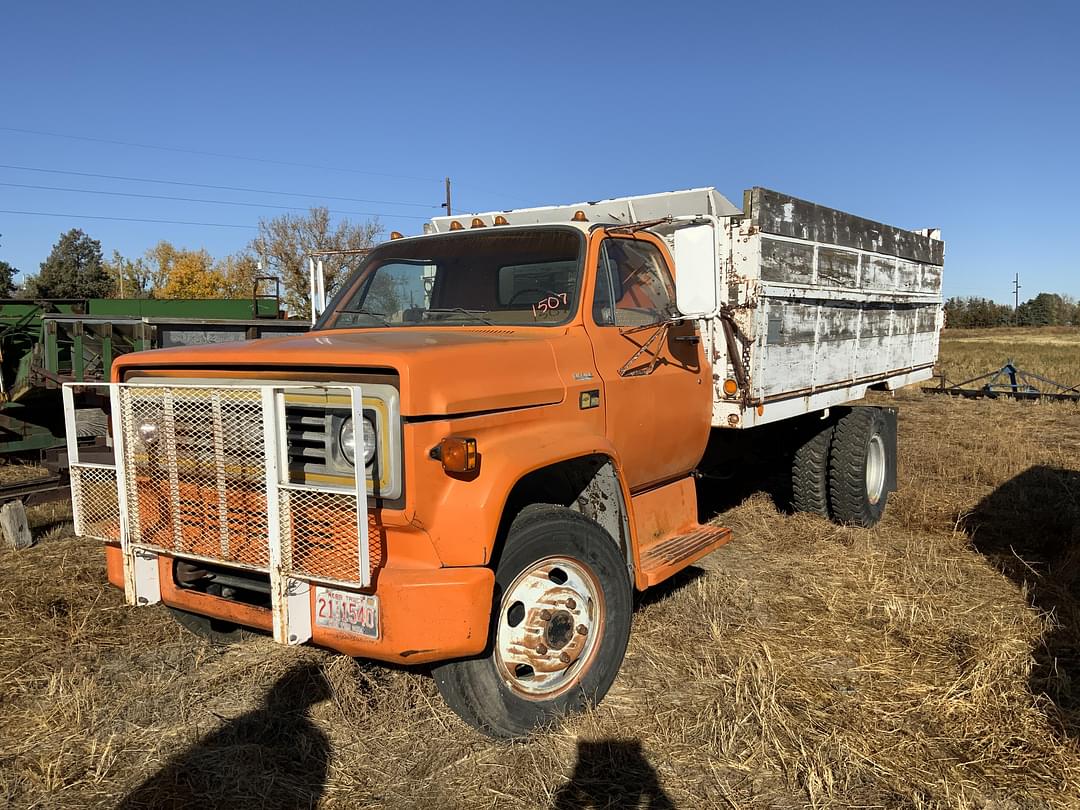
column 803, row 665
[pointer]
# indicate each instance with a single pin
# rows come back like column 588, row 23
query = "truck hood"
column 443, row 371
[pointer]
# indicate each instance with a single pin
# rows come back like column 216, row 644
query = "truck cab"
column 485, row 444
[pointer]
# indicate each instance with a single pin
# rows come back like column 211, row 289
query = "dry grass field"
column 929, row 662
column 1053, row 352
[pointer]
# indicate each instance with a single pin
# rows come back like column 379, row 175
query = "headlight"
column 148, row 433
column 347, row 441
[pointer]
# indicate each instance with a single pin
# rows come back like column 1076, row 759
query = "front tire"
column 563, row 604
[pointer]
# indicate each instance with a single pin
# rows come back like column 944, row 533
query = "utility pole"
column 1016, row 300
column 446, row 204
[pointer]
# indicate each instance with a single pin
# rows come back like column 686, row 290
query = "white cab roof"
column 620, row 210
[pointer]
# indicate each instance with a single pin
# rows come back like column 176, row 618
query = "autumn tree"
column 238, row 273
column 74, row 269
column 176, row 272
column 132, row 278
column 181, row 273
column 7, row 279
column 285, row 242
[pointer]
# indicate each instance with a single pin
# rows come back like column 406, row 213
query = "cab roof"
column 616, row 211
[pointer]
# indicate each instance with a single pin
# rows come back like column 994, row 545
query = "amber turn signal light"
column 455, row 225
column 456, row 453
column 731, row 388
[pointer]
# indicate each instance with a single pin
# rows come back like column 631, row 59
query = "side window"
column 633, row 286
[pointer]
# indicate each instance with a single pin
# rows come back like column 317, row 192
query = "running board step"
column 670, row 555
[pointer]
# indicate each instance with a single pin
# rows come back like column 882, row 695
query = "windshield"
column 514, row 278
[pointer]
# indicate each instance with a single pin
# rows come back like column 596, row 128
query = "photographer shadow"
column 610, row 774
column 1029, row 528
column 272, row 757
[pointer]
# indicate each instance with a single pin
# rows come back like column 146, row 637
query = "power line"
column 127, row 219
column 197, row 200
column 217, row 154
column 214, row 187
column 250, row 158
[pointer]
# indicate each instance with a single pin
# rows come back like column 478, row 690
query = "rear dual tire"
column 841, row 470
column 810, row 472
column 858, row 468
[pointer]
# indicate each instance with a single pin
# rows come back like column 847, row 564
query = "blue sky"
column 957, row 115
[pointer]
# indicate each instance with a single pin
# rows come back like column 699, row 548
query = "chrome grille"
column 308, row 436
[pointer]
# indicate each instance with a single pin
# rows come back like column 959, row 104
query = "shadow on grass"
column 741, row 463
column 609, row 774
column 1029, row 527
column 669, row 587
column 273, row 757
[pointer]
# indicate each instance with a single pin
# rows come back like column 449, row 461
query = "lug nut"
column 570, row 603
column 582, row 629
column 564, row 657
column 545, row 614
column 541, row 649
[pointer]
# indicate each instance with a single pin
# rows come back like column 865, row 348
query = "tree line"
column 1045, row 309
column 77, row 267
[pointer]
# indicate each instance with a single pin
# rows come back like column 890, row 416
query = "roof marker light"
column 501, row 220
column 579, row 216
column 455, row 225
column 396, row 235
column 477, row 222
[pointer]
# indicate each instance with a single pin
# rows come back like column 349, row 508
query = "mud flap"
column 889, row 438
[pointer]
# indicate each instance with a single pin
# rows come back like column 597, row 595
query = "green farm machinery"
column 46, row 343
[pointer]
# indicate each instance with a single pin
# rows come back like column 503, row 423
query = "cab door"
column 656, row 387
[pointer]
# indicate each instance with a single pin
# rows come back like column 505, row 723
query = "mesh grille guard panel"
column 197, row 476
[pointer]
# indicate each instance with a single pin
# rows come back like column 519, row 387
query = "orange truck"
column 491, row 437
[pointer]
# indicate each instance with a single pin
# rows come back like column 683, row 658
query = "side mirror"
column 695, row 270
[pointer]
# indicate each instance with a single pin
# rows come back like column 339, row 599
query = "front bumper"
column 425, row 614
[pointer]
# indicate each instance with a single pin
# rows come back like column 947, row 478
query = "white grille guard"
column 210, row 481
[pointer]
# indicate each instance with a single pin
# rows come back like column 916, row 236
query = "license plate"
column 351, row 612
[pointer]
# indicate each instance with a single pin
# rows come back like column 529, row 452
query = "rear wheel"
column 859, row 461
column 810, row 472
column 562, row 621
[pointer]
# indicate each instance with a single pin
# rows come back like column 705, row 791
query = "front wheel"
column 562, row 621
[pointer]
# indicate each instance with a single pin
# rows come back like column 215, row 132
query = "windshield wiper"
column 470, row 313
column 381, row 316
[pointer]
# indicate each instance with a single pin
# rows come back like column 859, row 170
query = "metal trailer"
column 802, row 307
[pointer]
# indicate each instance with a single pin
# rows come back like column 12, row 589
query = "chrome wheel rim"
column 875, row 469
column 550, row 621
